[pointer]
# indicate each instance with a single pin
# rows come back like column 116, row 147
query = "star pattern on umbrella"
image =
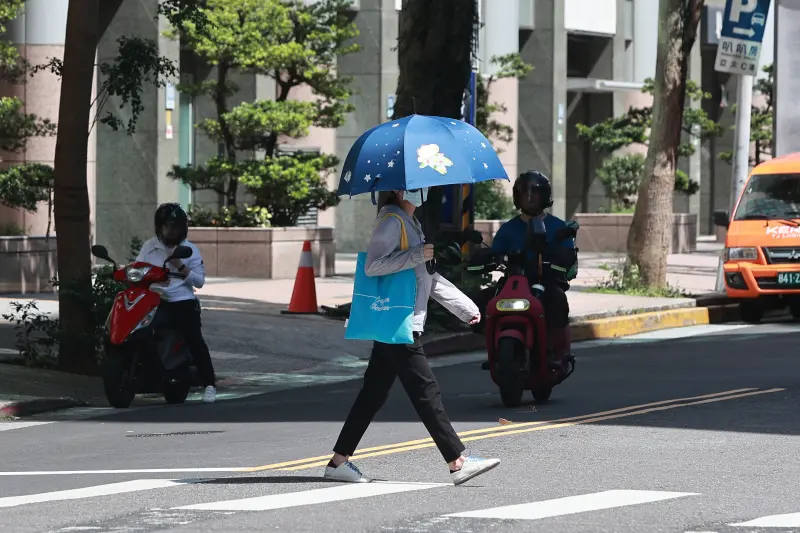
column 367, row 177
column 390, row 164
column 348, row 175
column 395, row 125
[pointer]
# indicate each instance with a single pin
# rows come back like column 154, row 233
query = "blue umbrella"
column 418, row 151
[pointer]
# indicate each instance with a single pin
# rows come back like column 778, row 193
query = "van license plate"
column 789, row 278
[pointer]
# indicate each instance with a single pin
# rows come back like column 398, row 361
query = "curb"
column 609, row 328
column 603, row 328
column 35, row 406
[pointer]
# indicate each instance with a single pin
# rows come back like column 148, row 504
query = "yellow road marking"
column 539, row 428
column 403, row 446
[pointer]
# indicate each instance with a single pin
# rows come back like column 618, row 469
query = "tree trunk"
column 648, row 241
column 71, row 195
column 435, row 58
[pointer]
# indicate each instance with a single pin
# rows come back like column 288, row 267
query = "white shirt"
column 155, row 252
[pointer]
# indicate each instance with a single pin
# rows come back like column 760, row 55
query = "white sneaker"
column 347, row 472
column 210, row 394
column 473, row 466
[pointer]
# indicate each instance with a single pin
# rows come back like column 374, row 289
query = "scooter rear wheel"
column 509, row 371
column 118, row 382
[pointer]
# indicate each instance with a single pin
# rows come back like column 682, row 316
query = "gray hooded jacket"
column 385, row 257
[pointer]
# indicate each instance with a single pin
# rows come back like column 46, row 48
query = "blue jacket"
column 512, row 237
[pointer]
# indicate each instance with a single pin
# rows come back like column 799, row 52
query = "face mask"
column 417, row 197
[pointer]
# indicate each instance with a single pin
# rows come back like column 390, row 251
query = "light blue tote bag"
column 383, row 306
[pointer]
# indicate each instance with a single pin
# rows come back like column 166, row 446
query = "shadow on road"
column 680, row 383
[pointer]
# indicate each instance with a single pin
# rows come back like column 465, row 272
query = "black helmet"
column 525, row 184
column 171, row 213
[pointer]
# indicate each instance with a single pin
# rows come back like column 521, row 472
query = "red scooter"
column 143, row 354
column 516, row 335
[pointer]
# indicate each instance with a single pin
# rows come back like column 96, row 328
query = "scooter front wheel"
column 119, row 381
column 509, row 371
column 175, row 393
column 542, row 395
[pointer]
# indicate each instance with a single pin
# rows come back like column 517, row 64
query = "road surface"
column 683, row 430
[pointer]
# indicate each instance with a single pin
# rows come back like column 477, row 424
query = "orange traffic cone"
column 304, row 294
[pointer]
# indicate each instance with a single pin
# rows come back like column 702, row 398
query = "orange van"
column 762, row 248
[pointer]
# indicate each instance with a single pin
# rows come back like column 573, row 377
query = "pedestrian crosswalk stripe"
column 92, row 492
column 572, row 505
column 776, row 520
column 312, row 497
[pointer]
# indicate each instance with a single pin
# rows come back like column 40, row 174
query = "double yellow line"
column 524, row 427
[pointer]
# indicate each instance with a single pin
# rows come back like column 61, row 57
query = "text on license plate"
column 789, row 278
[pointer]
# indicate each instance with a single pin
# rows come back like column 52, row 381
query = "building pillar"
column 39, row 34
column 500, row 36
column 133, row 169
column 374, row 71
column 787, row 77
column 542, row 100
column 695, row 164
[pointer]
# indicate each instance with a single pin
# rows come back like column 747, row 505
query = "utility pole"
column 737, row 53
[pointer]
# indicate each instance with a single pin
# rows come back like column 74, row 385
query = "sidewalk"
column 255, row 348
column 695, row 273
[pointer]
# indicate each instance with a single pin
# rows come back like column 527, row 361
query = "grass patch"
column 625, row 279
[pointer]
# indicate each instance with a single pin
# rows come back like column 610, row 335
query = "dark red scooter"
column 516, row 334
column 143, row 354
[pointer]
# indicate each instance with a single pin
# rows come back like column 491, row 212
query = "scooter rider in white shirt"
column 178, row 298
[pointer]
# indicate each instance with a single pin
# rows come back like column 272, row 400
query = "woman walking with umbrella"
column 378, row 162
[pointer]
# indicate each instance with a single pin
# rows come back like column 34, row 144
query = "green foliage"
column 626, row 279
column 11, row 229
column 633, row 127
column 38, row 334
column 21, row 186
column 492, row 202
column 294, row 44
column 136, row 65
column 236, row 216
column 17, row 127
column 761, row 119
column 621, row 175
column 13, row 68
column 24, row 186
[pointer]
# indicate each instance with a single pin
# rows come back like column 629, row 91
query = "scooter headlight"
column 515, row 304
column 135, row 275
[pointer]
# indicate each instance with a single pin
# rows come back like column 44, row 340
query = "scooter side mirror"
column 101, row 252
column 472, row 236
column 567, row 232
column 181, row 252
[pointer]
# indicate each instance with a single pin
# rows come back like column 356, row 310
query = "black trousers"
column 184, row 316
column 409, row 363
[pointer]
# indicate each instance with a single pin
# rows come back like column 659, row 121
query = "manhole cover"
column 173, row 434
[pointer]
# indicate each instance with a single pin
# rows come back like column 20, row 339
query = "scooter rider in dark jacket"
column 178, row 300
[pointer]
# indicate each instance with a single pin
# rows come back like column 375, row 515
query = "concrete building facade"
column 590, row 59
